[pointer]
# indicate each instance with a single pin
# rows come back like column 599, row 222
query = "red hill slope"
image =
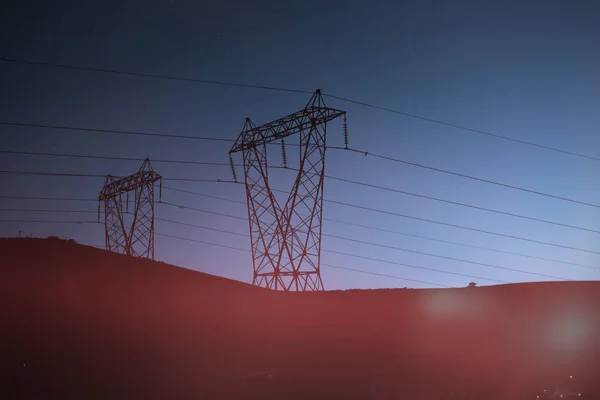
column 79, row 322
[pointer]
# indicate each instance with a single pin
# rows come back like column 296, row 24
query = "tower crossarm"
column 315, row 113
column 129, row 183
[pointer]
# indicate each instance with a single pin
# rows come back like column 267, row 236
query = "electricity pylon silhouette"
column 137, row 237
column 286, row 240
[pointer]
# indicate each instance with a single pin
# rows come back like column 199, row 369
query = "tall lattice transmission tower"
column 130, row 233
column 286, row 239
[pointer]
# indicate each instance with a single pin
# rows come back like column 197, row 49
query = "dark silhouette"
column 136, row 239
column 79, row 322
column 291, row 231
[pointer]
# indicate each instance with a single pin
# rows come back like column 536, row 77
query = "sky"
column 524, row 71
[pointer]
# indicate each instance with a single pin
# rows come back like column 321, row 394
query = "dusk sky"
column 524, row 71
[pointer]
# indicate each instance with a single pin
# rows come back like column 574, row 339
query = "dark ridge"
column 80, row 322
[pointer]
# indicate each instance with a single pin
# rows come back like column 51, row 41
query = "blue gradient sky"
column 528, row 71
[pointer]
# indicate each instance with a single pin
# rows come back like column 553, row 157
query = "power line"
column 41, row 173
column 61, row 174
column 219, row 245
column 200, row 180
column 201, row 241
column 396, row 248
column 461, row 204
column 327, row 176
column 445, row 224
column 48, row 211
column 46, row 198
column 384, row 275
column 327, row 251
column 460, row 226
column 338, row 179
column 182, row 207
column 348, row 239
column 158, row 76
column 325, row 219
column 374, row 210
column 95, row 212
column 416, row 266
column 200, row 227
column 445, row 257
column 47, row 221
column 123, row 132
column 327, row 265
column 154, row 160
column 458, row 243
column 464, row 128
column 100, row 130
column 95, row 200
column 330, row 147
column 430, row 221
column 407, row 234
column 272, row 88
column 411, row 266
column 347, row 254
column 31, row 153
column 203, row 195
column 444, row 171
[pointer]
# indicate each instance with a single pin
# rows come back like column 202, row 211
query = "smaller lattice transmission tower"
column 130, row 233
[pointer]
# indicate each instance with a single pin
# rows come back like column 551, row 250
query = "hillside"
column 79, row 322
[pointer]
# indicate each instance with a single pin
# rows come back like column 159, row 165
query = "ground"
column 79, row 322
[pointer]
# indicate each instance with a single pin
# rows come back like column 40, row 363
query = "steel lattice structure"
column 135, row 239
column 286, row 241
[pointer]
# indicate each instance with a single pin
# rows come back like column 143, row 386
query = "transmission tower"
column 130, row 233
column 286, row 241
